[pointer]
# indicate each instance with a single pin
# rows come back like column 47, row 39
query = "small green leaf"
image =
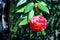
column 29, row 7
column 23, row 22
column 21, row 10
column 52, row 21
column 16, row 26
column 31, row 35
column 58, row 22
column 24, row 17
column 15, row 29
column 43, row 32
column 21, row 2
column 30, row 14
column 42, row 7
column 43, row 3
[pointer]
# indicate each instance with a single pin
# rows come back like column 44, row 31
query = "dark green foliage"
column 20, row 16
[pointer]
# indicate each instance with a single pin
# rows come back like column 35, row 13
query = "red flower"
column 38, row 23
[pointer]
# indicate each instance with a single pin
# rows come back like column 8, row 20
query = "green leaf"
column 16, row 26
column 52, row 21
column 29, row 7
column 21, row 2
column 58, row 22
column 43, row 32
column 31, row 35
column 42, row 7
column 24, row 17
column 30, row 14
column 43, row 3
column 15, row 29
column 23, row 22
column 21, row 10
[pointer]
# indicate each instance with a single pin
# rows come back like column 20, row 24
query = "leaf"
column 30, row 14
column 43, row 3
column 15, row 29
column 31, row 35
column 42, row 7
column 50, row 19
column 21, row 2
column 29, row 7
column 24, row 17
column 43, row 32
column 23, row 22
column 16, row 26
column 21, row 10
column 58, row 23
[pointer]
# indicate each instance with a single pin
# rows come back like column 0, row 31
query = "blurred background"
column 3, row 21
